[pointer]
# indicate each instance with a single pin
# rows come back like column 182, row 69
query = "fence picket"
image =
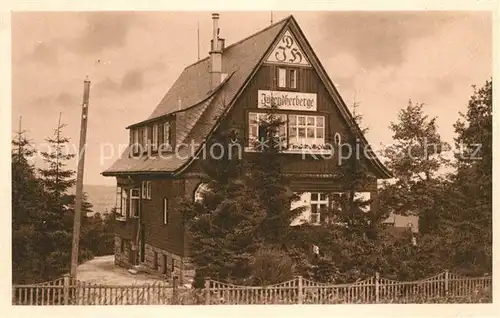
column 298, row 290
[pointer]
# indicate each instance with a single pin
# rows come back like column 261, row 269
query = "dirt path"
column 102, row 270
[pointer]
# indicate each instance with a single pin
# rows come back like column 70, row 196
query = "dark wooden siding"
column 308, row 82
column 169, row 236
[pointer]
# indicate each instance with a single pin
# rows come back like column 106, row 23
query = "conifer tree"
column 349, row 209
column 28, row 202
column 468, row 218
column 221, row 225
column 267, row 177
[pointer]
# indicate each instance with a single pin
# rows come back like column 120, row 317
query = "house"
column 229, row 89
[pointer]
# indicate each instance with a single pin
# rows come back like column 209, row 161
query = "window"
column 155, row 137
column 146, row 189
column 135, row 141
column 256, row 131
column 319, row 204
column 134, row 202
column 287, row 78
column 119, row 206
column 306, row 131
column 165, row 211
column 124, row 204
column 145, row 136
column 135, row 136
column 166, row 136
column 281, row 77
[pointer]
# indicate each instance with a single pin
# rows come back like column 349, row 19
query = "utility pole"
column 198, row 40
column 79, row 179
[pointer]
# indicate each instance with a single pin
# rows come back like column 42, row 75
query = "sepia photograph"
column 251, row 157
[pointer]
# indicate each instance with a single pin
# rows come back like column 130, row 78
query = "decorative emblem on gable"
column 287, row 51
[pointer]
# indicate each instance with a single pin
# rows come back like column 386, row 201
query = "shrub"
column 271, row 266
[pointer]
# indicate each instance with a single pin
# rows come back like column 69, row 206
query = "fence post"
column 377, row 287
column 301, row 292
column 446, row 281
column 175, row 279
column 207, row 290
column 66, row 281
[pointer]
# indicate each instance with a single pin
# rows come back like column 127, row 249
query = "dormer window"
column 145, row 136
column 135, row 136
column 167, row 139
column 155, row 137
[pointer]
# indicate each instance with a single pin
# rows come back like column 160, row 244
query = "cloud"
column 46, row 53
column 107, row 85
column 132, row 81
column 67, row 100
column 378, row 39
column 103, row 30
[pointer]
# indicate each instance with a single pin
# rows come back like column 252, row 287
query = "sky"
column 380, row 60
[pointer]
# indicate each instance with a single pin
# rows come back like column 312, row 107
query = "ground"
column 102, row 270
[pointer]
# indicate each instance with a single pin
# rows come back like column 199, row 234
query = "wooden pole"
column 19, row 147
column 207, row 290
column 79, row 179
column 198, row 40
column 300, row 293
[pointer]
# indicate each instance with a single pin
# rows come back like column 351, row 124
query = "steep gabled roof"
column 202, row 108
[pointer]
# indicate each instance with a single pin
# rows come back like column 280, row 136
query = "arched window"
column 198, row 193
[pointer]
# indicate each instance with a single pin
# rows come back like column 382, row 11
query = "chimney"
column 217, row 45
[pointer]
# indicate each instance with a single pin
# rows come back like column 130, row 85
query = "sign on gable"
column 287, row 51
column 287, row 100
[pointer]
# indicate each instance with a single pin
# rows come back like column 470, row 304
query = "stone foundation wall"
column 175, row 264
column 122, row 258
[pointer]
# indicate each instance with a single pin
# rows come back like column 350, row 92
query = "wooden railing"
column 66, row 291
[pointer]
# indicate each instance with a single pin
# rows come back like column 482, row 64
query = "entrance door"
column 143, row 243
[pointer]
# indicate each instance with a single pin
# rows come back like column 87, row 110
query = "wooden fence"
column 66, row 291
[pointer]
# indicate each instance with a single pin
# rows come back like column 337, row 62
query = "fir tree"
column 468, row 219
column 350, row 210
column 222, row 224
column 28, row 202
column 57, row 180
column 267, row 177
